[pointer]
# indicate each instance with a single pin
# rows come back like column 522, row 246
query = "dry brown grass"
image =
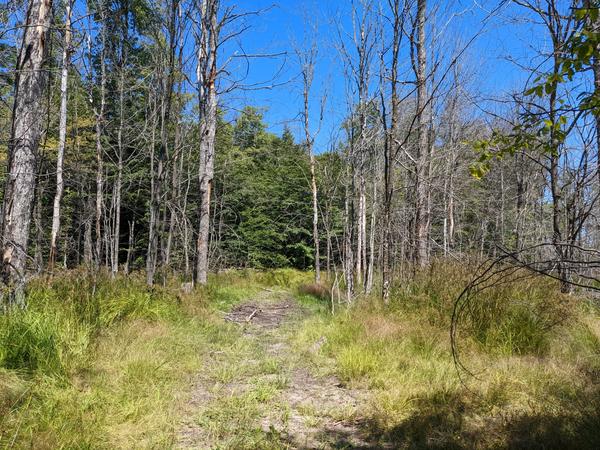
column 316, row 290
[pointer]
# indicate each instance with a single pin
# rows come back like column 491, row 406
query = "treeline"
column 120, row 152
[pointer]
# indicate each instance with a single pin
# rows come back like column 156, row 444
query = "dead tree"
column 207, row 46
column 391, row 140
column 307, row 67
column 421, row 218
column 167, row 83
column 357, row 54
column 99, row 111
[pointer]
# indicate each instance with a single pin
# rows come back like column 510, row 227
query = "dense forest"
column 402, row 184
column 130, row 158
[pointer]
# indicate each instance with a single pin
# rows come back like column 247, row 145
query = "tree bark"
column 156, row 201
column 390, row 152
column 308, row 67
column 130, row 247
column 116, row 209
column 62, row 135
column 348, row 228
column 370, row 273
column 207, row 71
column 99, row 113
column 88, row 253
column 27, row 122
column 421, row 197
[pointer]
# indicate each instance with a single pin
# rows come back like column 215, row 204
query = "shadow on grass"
column 444, row 421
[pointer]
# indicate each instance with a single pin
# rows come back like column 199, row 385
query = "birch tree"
column 307, row 60
column 62, row 133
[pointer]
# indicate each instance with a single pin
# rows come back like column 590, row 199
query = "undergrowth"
column 100, row 363
column 533, row 354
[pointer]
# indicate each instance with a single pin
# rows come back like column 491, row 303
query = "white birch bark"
column 62, row 135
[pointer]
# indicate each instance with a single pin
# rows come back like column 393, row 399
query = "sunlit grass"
column 533, row 376
column 100, row 364
column 94, row 363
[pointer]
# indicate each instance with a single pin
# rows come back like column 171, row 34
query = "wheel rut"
column 257, row 392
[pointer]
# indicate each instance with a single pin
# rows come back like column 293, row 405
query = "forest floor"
column 259, row 391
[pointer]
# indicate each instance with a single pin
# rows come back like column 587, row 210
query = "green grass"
column 536, row 376
column 109, row 364
column 103, row 364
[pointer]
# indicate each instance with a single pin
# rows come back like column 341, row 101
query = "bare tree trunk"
column 555, row 190
column 520, row 198
column 371, row 264
column 451, row 225
column 130, row 247
column 166, row 82
column 116, row 210
column 390, row 148
column 38, row 257
column 362, row 228
column 186, row 225
column 329, row 251
column 207, row 73
column 315, row 205
column 175, row 208
column 307, row 61
column 27, row 122
column 151, row 252
column 359, row 244
column 62, row 135
column 88, row 253
column 421, row 203
column 99, row 113
column 175, row 196
column 348, row 252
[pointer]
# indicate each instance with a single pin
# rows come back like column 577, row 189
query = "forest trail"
column 257, row 392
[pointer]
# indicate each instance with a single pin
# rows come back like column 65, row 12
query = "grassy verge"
column 106, row 364
column 536, row 377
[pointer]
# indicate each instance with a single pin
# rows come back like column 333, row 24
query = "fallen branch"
column 252, row 315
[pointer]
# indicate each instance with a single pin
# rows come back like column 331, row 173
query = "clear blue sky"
column 284, row 24
column 492, row 74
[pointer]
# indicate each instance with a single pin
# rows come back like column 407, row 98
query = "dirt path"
column 257, row 393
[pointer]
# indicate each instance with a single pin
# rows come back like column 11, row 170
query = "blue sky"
column 507, row 35
column 284, row 24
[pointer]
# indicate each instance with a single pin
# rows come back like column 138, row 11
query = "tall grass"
column 534, row 354
column 100, row 363
column 56, row 330
column 94, row 362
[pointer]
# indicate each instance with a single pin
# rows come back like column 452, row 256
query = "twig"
column 251, row 315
